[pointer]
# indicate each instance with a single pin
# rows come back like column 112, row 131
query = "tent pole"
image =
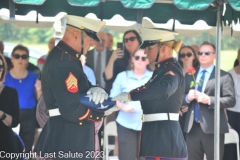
column 217, row 87
column 11, row 10
column 139, row 17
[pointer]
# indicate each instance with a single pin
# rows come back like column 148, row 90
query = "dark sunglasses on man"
column 207, row 53
column 138, row 57
column 183, row 55
column 1, row 67
column 17, row 56
column 129, row 39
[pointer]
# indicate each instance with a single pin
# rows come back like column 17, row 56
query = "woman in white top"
column 234, row 113
column 129, row 121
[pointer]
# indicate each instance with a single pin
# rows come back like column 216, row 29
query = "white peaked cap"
column 152, row 36
column 89, row 26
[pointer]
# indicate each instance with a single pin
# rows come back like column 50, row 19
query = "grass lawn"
column 227, row 59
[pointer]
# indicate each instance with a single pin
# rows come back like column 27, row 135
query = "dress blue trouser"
column 162, row 158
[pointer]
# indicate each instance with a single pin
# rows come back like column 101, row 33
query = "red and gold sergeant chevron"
column 71, row 83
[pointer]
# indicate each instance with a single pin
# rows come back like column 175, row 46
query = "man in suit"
column 199, row 124
column 98, row 58
column 110, row 41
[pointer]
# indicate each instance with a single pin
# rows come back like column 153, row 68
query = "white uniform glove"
column 124, row 96
column 111, row 110
column 98, row 94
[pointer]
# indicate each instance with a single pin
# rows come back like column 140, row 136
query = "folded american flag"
column 100, row 107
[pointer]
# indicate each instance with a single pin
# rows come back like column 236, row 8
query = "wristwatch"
column 3, row 116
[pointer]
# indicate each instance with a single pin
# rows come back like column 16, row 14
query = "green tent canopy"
column 159, row 11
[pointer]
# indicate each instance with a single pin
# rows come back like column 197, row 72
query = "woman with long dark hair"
column 187, row 58
column 120, row 59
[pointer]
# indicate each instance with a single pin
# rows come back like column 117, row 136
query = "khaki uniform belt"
column 160, row 117
column 54, row 112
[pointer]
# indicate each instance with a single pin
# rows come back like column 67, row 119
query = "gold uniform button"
column 66, row 52
column 90, row 116
column 97, row 117
column 80, row 123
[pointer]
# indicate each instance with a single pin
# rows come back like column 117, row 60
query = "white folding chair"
column 110, row 130
column 232, row 137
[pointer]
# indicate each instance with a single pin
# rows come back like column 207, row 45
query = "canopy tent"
column 29, row 20
column 117, row 23
column 159, row 11
column 213, row 12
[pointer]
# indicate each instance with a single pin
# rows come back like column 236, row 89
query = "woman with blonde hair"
column 161, row 98
column 128, row 120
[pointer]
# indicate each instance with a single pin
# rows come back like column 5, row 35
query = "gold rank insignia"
column 158, row 65
column 77, row 55
column 71, row 83
column 170, row 72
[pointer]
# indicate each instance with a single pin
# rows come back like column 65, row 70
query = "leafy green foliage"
column 9, row 33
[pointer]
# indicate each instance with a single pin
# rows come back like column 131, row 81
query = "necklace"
column 20, row 80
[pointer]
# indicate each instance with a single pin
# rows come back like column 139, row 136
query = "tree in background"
column 9, row 33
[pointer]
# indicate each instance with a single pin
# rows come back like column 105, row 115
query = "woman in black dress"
column 187, row 58
column 9, row 114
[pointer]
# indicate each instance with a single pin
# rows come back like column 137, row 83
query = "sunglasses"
column 183, row 55
column 138, row 57
column 207, row 53
column 129, row 39
column 17, row 56
column 1, row 67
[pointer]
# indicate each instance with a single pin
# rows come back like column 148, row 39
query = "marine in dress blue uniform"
column 69, row 132
column 161, row 99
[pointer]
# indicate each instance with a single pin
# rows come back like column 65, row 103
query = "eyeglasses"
column 207, row 53
column 138, row 57
column 1, row 67
column 127, row 39
column 17, row 56
column 183, row 55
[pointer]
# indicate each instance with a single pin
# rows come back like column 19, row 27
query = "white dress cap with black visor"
column 152, row 36
column 90, row 26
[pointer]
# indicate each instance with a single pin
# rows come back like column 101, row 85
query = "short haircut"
column 20, row 47
column 208, row 44
column 4, row 63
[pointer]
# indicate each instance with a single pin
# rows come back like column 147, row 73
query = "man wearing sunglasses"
column 161, row 98
column 199, row 124
column 71, row 127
